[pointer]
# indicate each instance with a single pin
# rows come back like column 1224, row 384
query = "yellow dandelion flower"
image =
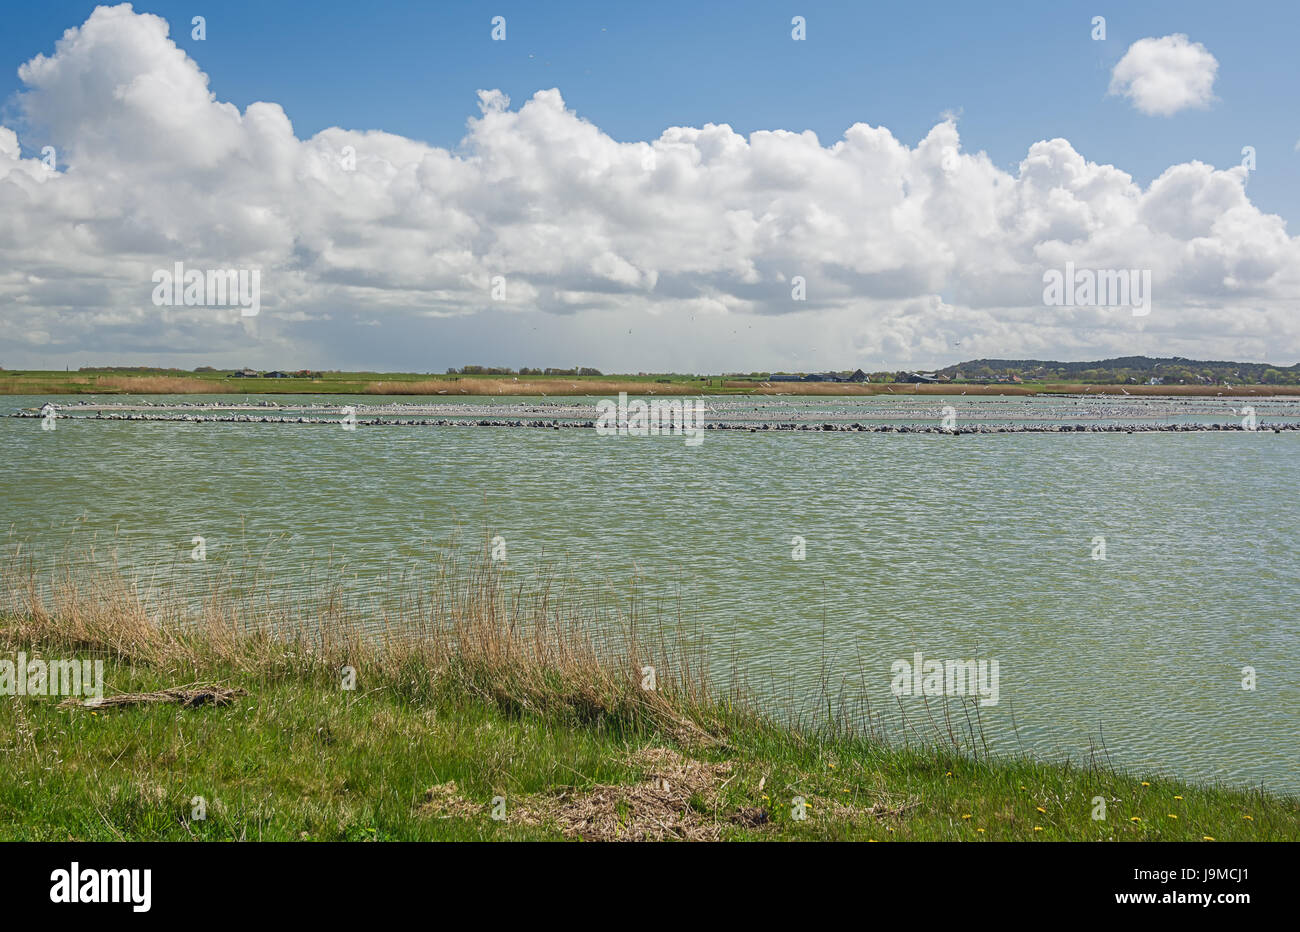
column 1145, row 783
column 1172, row 816
column 1249, row 818
column 1038, row 828
column 980, row 830
column 1135, row 819
column 1041, row 809
column 1177, row 797
column 966, row 816
column 1207, row 838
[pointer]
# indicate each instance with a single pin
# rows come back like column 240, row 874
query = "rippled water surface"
column 956, row 547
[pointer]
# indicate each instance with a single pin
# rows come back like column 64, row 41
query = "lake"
column 958, row 547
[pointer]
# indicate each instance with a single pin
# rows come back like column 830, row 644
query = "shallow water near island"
column 979, row 546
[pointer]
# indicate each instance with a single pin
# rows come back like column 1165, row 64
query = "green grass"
column 302, row 758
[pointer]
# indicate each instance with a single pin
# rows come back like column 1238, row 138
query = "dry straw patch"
column 194, row 695
column 890, row 807
column 444, row 801
column 660, row 808
column 679, row 798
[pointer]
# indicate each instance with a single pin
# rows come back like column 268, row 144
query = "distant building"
column 855, row 376
column 244, row 373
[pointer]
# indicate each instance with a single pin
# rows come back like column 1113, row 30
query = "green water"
column 977, row 546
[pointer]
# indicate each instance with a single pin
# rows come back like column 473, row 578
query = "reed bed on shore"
column 160, row 385
column 461, row 630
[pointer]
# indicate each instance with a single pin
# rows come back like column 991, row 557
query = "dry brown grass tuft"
column 463, row 632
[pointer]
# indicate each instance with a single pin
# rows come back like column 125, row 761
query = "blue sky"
column 1011, row 74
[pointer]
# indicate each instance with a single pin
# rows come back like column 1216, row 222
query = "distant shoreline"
column 58, row 383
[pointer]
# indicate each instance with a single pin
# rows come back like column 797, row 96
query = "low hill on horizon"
column 1171, row 369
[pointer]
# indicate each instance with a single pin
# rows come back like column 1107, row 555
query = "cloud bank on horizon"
column 539, row 217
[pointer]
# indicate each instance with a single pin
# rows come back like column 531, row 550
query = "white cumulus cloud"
column 1163, row 76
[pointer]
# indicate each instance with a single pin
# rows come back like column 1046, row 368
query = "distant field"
column 35, row 382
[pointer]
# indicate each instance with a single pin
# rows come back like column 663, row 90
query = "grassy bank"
column 421, row 384
column 479, row 693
